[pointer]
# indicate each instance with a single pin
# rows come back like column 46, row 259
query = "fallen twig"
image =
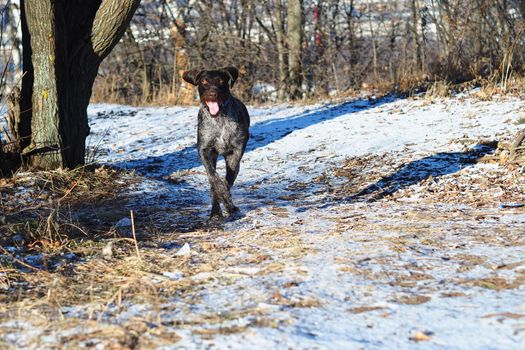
column 134, row 235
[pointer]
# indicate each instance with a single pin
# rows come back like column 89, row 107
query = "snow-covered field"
column 373, row 224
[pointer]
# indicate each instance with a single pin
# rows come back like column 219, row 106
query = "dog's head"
column 214, row 86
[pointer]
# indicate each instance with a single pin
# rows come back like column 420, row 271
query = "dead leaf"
column 421, row 336
column 362, row 309
column 413, row 299
column 510, row 315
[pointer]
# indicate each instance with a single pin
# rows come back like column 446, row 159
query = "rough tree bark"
column 417, row 61
column 64, row 43
column 446, row 29
column 295, row 38
column 281, row 49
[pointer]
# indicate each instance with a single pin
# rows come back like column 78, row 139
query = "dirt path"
column 373, row 224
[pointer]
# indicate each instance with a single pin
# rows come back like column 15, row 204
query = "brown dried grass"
column 39, row 206
column 132, row 272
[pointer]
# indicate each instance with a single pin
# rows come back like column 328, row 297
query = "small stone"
column 185, row 250
column 421, row 336
column 107, row 251
column 124, row 222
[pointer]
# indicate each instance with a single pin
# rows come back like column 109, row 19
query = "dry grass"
column 375, row 177
column 107, row 285
column 491, row 88
column 439, row 89
column 46, row 208
column 60, row 263
column 111, row 90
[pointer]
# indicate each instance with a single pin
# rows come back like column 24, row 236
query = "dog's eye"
column 205, row 82
column 221, row 82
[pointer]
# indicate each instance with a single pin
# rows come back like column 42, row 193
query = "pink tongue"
column 213, row 107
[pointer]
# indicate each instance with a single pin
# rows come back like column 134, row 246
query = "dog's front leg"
column 233, row 162
column 209, row 160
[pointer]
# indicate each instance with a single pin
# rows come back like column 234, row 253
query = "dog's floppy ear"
column 192, row 76
column 233, row 73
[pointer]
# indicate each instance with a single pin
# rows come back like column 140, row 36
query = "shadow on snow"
column 185, row 196
column 414, row 172
column 261, row 135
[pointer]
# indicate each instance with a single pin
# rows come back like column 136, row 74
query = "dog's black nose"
column 211, row 95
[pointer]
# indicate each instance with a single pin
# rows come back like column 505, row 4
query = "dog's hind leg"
column 233, row 162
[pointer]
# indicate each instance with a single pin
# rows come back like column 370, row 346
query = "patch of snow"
column 124, row 222
column 392, row 258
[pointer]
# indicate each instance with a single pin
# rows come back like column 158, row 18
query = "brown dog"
column 223, row 124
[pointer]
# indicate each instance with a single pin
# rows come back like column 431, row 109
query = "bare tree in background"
column 295, row 41
column 11, row 37
column 285, row 49
column 417, row 51
column 282, row 52
column 344, row 46
column 64, row 43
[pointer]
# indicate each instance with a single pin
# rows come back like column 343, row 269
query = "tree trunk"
column 26, row 111
column 46, row 139
column 295, row 38
column 11, row 35
column 181, row 63
column 448, row 28
column 416, row 49
column 373, row 38
column 68, row 41
column 317, row 81
column 281, row 50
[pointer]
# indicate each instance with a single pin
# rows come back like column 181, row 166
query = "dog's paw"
column 235, row 214
column 215, row 220
column 233, row 210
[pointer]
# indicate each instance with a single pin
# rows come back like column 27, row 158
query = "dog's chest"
column 222, row 133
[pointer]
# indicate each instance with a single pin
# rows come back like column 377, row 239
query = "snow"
column 299, row 143
column 401, row 259
column 166, row 136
